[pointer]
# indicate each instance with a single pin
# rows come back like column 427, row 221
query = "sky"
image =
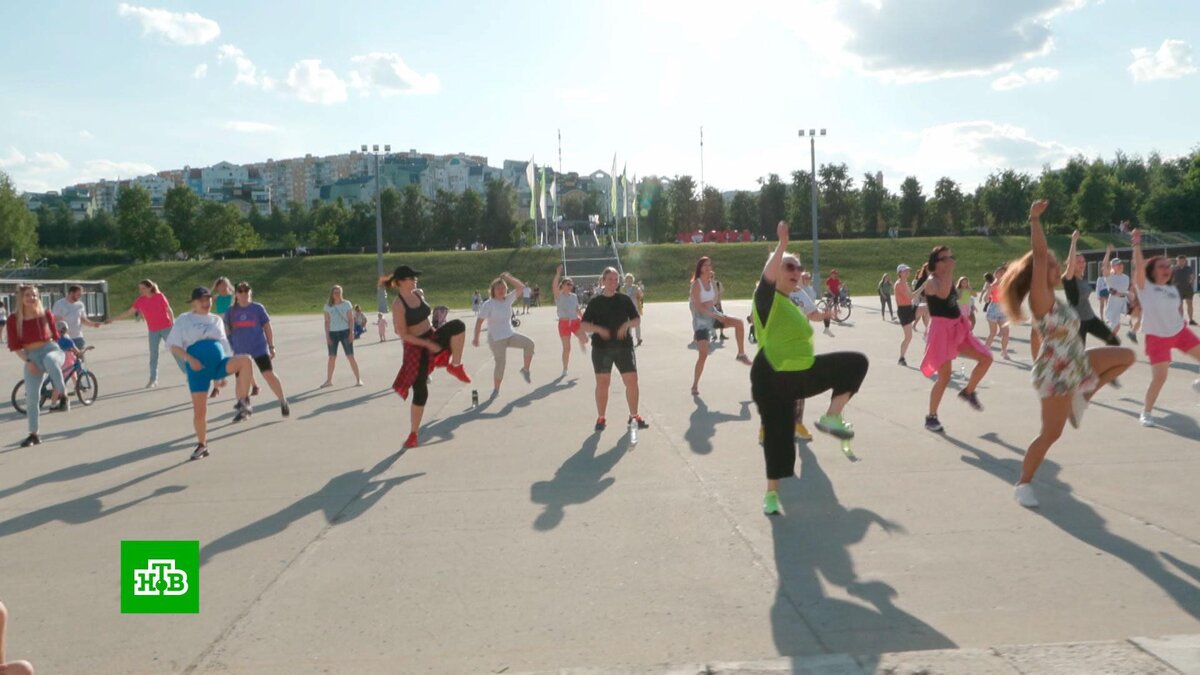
column 928, row 88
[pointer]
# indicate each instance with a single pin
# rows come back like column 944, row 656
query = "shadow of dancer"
column 812, row 543
column 87, row 508
column 343, row 498
column 1082, row 521
column 443, row 428
column 1168, row 420
column 579, row 480
column 702, row 425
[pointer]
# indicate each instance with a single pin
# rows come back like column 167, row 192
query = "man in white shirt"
column 1118, row 295
column 70, row 309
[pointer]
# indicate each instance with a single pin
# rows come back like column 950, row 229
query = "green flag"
column 530, row 176
column 542, row 194
column 612, row 192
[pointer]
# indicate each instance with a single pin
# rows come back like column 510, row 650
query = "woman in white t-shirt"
column 497, row 310
column 1162, row 322
column 339, row 320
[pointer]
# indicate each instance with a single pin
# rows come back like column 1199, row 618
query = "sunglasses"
column 792, row 267
column 948, row 257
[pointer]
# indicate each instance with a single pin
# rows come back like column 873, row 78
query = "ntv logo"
column 160, row 577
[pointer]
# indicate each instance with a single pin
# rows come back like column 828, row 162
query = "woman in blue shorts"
column 198, row 340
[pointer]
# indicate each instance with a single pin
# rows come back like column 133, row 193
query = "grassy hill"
column 301, row 285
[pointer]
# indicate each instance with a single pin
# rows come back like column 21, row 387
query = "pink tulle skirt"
column 945, row 339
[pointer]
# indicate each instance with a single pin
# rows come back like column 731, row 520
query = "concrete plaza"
column 516, row 539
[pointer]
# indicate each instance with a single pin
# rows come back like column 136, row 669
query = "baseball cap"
column 201, row 292
column 901, row 267
column 1116, row 261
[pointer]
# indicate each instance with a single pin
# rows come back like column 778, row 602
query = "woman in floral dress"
column 1064, row 373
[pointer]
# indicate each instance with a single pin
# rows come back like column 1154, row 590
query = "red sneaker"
column 411, row 442
column 459, row 372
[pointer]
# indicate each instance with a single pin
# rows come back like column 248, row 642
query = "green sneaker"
column 834, row 425
column 771, row 503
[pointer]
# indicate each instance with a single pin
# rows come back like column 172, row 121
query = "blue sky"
column 921, row 87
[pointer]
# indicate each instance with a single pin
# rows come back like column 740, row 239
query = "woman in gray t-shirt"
column 339, row 318
column 566, row 303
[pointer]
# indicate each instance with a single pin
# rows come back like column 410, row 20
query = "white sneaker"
column 1196, row 386
column 152, row 384
column 1025, row 497
column 1146, row 419
column 828, row 332
column 1078, row 405
column 358, row 383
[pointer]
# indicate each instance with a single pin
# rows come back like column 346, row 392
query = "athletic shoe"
column 1132, row 337
column 600, row 424
column 525, row 374
column 152, row 384
column 564, row 373
column 932, row 424
column 1025, row 497
column 802, row 432
column 902, row 361
column 254, row 390
column 1196, row 386
column 1114, row 384
column 411, row 441
column 200, row 451
column 326, row 384
column 742, row 358
column 31, row 439
column 459, row 372
column 641, row 423
column 1078, row 405
column 358, row 382
column 971, row 399
column 1146, row 419
column 827, row 332
column 284, row 409
column 834, row 425
column 771, row 503
column 244, row 413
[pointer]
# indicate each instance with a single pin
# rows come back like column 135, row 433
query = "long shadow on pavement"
column 87, row 508
column 579, row 480
column 1173, row 422
column 812, row 543
column 1080, row 520
column 343, row 498
column 443, row 429
column 703, row 424
column 343, row 405
column 75, row 432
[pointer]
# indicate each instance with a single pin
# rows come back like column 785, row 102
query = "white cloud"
column 972, row 149
column 1031, row 76
column 250, row 127
column 389, row 75
column 104, row 168
column 246, row 72
column 1172, row 61
column 200, row 72
column 176, row 27
column 931, row 39
column 85, row 134
column 310, row 82
column 39, row 162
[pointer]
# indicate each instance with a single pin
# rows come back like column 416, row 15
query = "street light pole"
column 812, row 147
column 381, row 294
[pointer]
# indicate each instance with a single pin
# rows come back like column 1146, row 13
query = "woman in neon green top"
column 787, row 368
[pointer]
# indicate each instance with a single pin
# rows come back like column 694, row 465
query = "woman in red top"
column 33, row 336
column 159, row 319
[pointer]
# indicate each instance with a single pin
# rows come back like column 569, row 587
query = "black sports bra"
column 946, row 308
column 415, row 315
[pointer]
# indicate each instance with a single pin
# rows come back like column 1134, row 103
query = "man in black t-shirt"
column 609, row 317
column 1184, row 280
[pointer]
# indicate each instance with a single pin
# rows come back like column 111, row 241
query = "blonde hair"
column 335, row 287
column 222, row 280
column 19, row 313
column 149, row 284
column 492, row 287
column 1014, row 287
column 607, row 271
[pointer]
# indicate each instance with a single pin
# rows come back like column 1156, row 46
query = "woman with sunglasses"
column 1162, row 321
column 570, row 317
column 787, row 369
column 949, row 335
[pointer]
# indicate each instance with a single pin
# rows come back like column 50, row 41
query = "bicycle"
column 841, row 307
column 87, row 386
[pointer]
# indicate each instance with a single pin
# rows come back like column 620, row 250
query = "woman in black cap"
column 424, row 347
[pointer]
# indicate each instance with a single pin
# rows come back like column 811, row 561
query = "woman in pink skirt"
column 949, row 336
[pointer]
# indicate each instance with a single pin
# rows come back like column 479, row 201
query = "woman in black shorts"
column 609, row 317
column 425, row 347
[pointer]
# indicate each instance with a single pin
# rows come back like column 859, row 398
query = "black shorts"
column 263, row 362
column 907, row 314
column 604, row 358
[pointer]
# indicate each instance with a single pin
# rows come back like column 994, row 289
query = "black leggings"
column 1098, row 328
column 420, row 388
column 885, row 302
column 775, row 393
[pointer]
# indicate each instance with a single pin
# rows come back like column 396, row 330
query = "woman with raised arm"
column 566, row 303
column 787, row 368
column 1078, row 289
column 949, row 336
column 425, row 347
column 497, row 310
column 706, row 318
column 1162, row 320
column 1065, row 375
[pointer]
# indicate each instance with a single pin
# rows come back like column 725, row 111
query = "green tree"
column 772, row 204
column 947, row 207
column 799, row 204
column 655, row 223
column 180, row 208
column 837, row 198
column 391, row 204
column 1073, row 174
column 277, row 225
column 912, row 204
column 329, row 223
column 1005, row 199
column 572, row 206
column 1095, row 199
column 18, row 227
column 443, row 211
column 873, row 197
column 743, row 211
column 142, row 233
column 500, row 212
column 100, row 231
column 468, row 216
column 681, row 197
column 214, row 227
column 1053, row 189
column 1127, row 203
column 414, row 218
column 712, row 209
column 324, row 235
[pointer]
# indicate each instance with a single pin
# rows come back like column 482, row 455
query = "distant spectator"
column 3, row 318
column 360, row 322
column 476, row 301
column 382, row 324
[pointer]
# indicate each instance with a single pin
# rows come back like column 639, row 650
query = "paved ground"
column 516, row 539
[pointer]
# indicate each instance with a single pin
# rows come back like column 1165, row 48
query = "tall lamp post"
column 381, row 294
column 812, row 146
